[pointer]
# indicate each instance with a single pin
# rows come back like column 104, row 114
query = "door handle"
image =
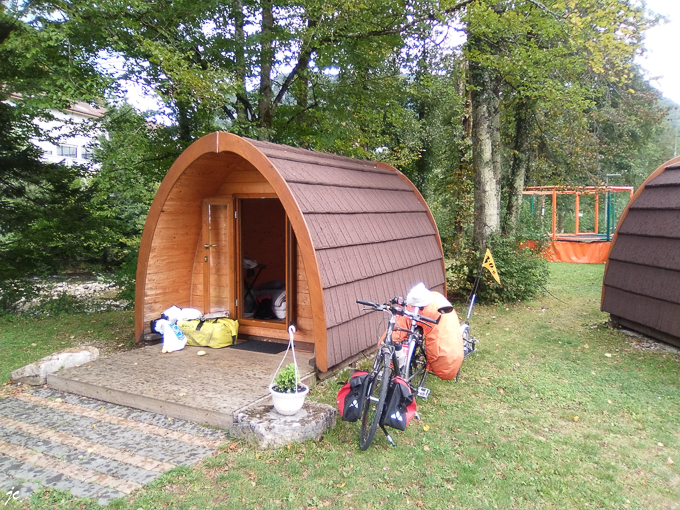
column 206, row 246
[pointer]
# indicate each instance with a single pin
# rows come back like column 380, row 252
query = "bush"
column 15, row 293
column 125, row 277
column 523, row 273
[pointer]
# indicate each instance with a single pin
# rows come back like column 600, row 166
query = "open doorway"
column 263, row 262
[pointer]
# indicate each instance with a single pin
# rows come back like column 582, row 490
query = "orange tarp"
column 443, row 341
column 581, row 253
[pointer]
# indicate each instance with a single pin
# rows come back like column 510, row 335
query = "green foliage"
column 14, row 293
column 61, row 304
column 369, row 80
column 25, row 339
column 125, row 277
column 45, row 223
column 287, row 378
column 522, row 270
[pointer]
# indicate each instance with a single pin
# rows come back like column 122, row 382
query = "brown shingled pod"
column 641, row 286
column 327, row 229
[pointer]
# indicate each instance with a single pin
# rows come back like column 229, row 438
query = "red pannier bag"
column 349, row 397
column 400, row 406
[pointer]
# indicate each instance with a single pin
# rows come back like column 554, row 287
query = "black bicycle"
column 390, row 362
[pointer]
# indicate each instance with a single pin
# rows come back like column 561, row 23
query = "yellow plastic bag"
column 215, row 333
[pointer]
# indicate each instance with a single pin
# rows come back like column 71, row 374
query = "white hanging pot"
column 288, row 404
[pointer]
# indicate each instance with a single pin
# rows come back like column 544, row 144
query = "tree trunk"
column 240, row 57
column 184, row 122
column 302, row 86
column 518, row 166
column 486, row 165
column 265, row 104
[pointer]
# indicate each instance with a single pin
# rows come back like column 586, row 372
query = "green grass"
column 541, row 418
column 24, row 340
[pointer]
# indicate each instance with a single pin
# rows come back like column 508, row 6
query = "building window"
column 86, row 154
column 70, row 151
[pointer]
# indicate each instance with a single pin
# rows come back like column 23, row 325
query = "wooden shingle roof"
column 373, row 235
column 641, row 286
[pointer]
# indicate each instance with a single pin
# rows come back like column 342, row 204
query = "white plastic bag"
column 190, row 314
column 173, row 338
column 175, row 313
column 172, row 314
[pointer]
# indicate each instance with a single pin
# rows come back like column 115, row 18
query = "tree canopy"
column 472, row 99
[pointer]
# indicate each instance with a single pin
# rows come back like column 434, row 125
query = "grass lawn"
column 24, row 340
column 555, row 410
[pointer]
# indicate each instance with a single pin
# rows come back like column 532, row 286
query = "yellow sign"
column 491, row 266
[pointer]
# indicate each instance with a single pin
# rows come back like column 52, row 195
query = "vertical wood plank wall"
column 304, row 321
column 175, row 271
column 172, row 253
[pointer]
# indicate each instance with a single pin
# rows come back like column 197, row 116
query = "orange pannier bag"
column 443, row 341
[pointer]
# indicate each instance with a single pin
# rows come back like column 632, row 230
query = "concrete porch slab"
column 208, row 389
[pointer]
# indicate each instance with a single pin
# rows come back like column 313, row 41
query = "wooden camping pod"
column 641, row 285
column 353, row 230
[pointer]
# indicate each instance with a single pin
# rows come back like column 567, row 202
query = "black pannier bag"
column 400, row 406
column 349, row 397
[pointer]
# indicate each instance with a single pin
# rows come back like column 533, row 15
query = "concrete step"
column 209, row 389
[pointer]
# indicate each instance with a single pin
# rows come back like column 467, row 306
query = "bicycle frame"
column 386, row 366
column 411, row 340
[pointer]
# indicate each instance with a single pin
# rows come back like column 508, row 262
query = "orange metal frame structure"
column 577, row 192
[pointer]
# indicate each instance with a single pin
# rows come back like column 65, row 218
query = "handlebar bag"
column 349, row 397
column 400, row 406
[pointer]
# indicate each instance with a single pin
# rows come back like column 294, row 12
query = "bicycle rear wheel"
column 375, row 394
column 418, row 366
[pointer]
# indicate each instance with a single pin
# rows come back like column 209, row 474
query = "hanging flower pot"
column 288, row 404
column 288, row 393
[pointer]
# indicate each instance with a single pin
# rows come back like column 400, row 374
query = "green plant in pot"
column 287, row 392
column 287, row 380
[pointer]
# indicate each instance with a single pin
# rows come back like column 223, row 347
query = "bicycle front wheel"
column 375, row 394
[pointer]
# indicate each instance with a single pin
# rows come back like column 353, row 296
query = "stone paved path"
column 89, row 447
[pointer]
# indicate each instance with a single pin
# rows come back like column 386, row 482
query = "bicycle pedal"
column 423, row 392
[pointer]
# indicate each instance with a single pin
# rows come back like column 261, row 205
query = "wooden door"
column 219, row 245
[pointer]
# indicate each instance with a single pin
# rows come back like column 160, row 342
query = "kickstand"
column 387, row 435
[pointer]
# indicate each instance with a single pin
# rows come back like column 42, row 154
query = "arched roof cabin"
column 236, row 219
column 641, row 286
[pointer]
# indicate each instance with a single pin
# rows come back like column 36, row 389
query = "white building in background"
column 74, row 147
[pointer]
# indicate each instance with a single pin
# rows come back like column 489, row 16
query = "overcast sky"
column 662, row 60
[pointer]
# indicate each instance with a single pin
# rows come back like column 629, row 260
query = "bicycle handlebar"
column 398, row 311
column 367, row 303
column 427, row 319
